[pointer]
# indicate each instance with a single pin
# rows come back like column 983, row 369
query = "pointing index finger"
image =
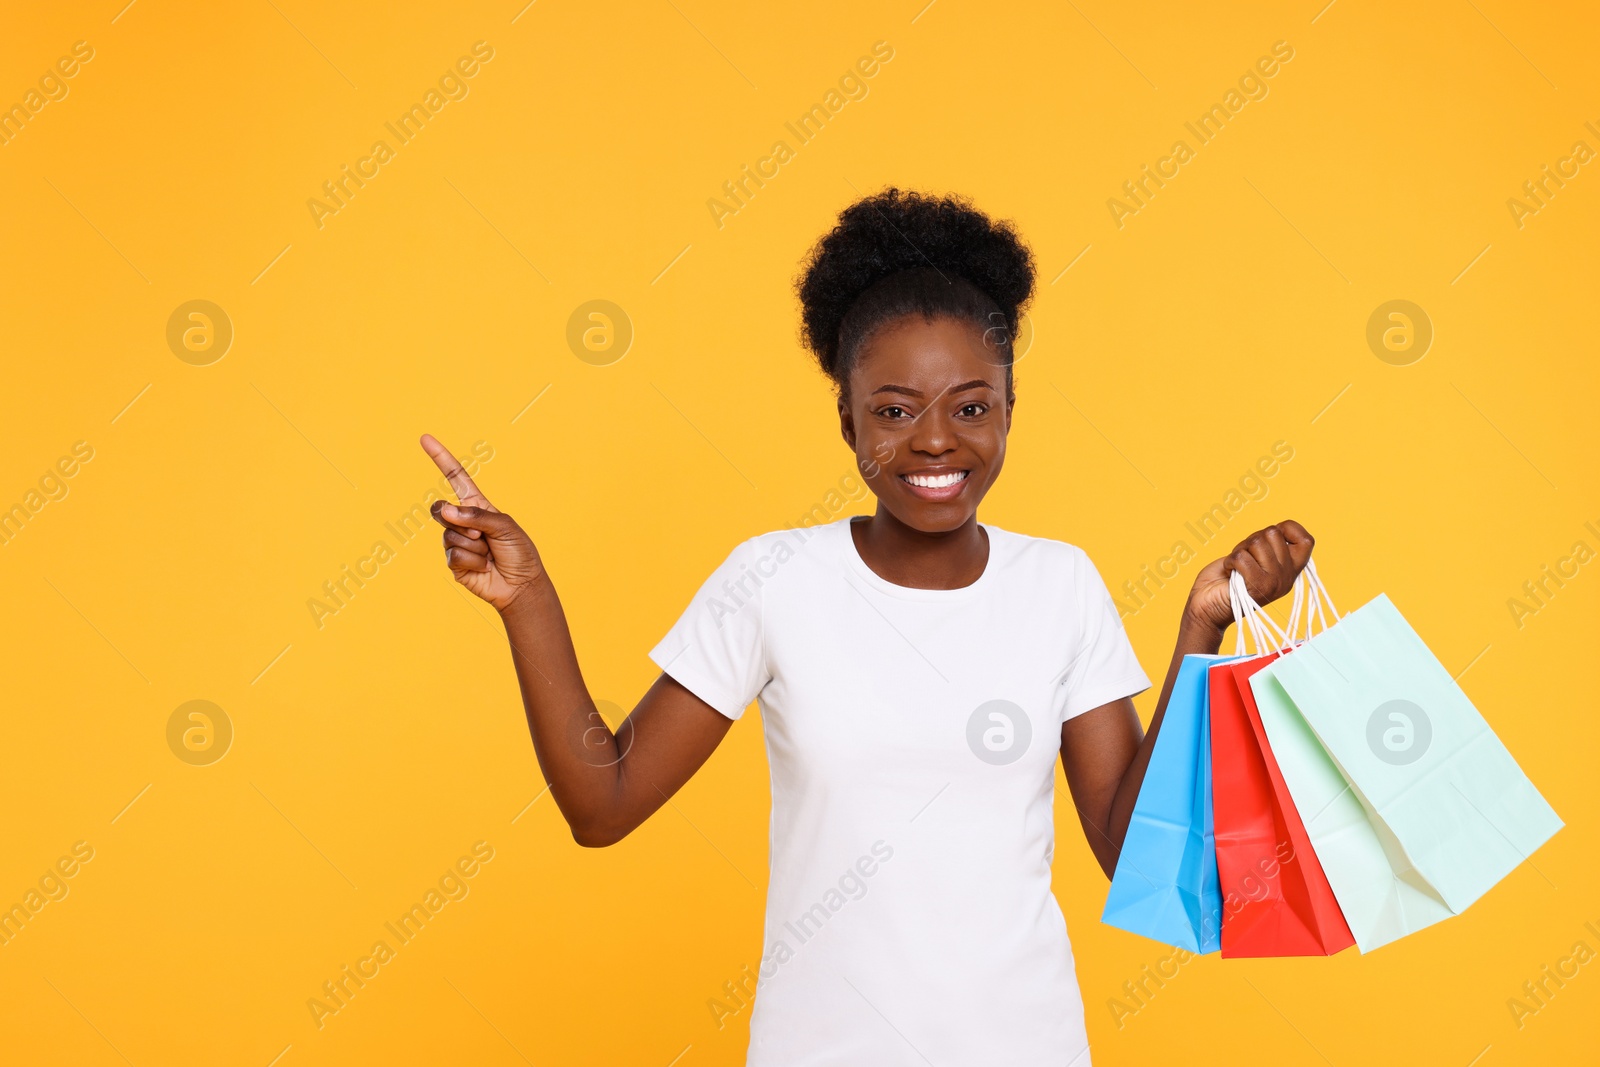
column 466, row 491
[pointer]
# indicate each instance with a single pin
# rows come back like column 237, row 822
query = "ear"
column 847, row 423
column 1011, row 402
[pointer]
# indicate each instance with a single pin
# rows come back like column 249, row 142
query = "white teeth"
column 935, row 481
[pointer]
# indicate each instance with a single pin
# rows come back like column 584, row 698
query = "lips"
column 935, row 484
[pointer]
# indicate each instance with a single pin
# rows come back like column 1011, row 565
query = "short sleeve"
column 1102, row 667
column 715, row 648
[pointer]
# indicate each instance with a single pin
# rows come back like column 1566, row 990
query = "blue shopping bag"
column 1165, row 886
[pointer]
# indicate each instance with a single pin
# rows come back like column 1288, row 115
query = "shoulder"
column 1044, row 563
column 791, row 541
column 781, row 556
column 1058, row 557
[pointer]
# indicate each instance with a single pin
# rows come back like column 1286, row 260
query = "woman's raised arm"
column 1104, row 752
column 606, row 783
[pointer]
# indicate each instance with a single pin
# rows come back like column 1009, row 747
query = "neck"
column 918, row 559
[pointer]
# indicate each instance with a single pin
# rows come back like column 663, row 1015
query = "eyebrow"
column 906, row 390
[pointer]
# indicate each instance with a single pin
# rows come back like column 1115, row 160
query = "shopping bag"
column 1381, row 898
column 1165, row 885
column 1276, row 897
column 1452, row 808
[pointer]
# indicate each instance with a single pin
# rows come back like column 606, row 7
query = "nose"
column 933, row 434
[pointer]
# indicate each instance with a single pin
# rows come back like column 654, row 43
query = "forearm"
column 1106, row 753
column 1195, row 637
column 604, row 784
column 577, row 751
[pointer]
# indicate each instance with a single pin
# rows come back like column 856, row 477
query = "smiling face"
column 927, row 414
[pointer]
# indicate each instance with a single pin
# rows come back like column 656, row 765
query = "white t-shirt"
column 912, row 736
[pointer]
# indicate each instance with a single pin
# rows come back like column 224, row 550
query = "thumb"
column 474, row 518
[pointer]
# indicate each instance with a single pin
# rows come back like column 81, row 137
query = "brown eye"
column 893, row 411
column 972, row 411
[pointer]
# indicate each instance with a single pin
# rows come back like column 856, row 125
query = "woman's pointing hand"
column 483, row 547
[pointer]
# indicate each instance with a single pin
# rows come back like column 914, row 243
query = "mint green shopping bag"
column 1381, row 897
column 1447, row 804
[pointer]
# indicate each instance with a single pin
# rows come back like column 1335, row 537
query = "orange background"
column 370, row 753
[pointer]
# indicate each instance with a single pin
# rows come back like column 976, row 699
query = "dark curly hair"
column 904, row 253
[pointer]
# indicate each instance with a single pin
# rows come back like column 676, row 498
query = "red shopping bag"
column 1275, row 899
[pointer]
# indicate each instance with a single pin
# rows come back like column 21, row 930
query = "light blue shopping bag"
column 1165, row 886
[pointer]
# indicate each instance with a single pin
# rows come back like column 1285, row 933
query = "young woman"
column 918, row 671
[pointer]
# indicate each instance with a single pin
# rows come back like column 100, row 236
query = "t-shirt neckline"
column 859, row 567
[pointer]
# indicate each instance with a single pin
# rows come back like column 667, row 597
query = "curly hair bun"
column 900, row 253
